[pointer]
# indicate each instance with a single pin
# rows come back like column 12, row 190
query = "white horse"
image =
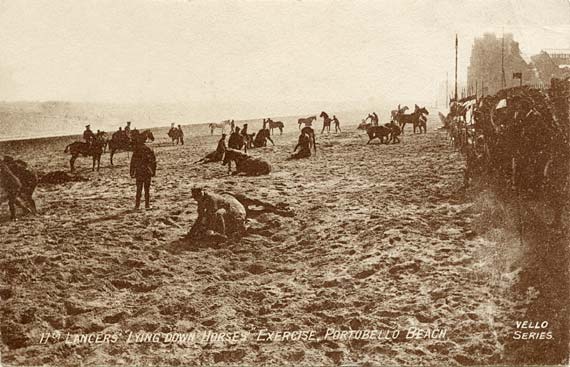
column 395, row 113
column 219, row 125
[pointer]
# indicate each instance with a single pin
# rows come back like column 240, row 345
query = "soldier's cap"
column 87, row 125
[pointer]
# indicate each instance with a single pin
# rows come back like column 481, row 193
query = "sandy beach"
column 381, row 239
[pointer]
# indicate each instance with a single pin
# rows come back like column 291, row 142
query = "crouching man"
column 143, row 167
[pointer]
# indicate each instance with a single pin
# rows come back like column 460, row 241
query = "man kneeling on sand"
column 143, row 167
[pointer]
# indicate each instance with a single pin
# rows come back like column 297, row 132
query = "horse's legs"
column 12, row 209
column 111, row 153
column 72, row 162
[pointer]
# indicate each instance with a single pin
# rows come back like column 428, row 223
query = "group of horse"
column 120, row 141
column 390, row 132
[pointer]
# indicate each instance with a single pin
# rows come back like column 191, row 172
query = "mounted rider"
column 127, row 130
column 88, row 135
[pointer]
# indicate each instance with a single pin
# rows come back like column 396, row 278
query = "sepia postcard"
column 284, row 183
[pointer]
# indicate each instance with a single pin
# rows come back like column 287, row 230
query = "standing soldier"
column 336, row 123
column 143, row 167
column 232, row 126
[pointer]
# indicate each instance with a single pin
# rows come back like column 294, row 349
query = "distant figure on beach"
column 336, row 124
column 232, row 126
column 180, row 134
column 88, row 135
column 128, row 129
column 143, row 168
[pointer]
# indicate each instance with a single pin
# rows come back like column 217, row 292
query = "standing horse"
column 117, row 143
column 274, row 125
column 308, row 121
column 95, row 149
column 326, row 122
column 219, row 125
column 176, row 135
column 416, row 118
column 398, row 111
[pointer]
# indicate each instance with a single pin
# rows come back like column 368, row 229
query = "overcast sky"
column 271, row 51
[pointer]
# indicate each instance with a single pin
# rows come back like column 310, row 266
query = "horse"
column 311, row 134
column 17, row 185
column 326, row 122
column 237, row 140
column 246, row 164
column 415, row 118
column 308, row 121
column 120, row 143
column 304, row 143
column 364, row 125
column 103, row 137
column 395, row 113
column 395, row 131
column 218, row 216
column 261, row 138
column 379, row 132
column 95, row 150
column 176, row 135
column 274, row 125
column 219, row 125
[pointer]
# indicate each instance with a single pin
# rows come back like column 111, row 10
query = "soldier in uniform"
column 88, row 135
column 143, row 168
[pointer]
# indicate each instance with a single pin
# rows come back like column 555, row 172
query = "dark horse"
column 416, row 118
column 124, row 143
column 326, row 122
column 176, row 135
column 273, row 125
column 81, row 148
column 311, row 134
column 260, row 139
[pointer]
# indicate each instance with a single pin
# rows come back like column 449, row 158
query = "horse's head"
column 423, row 110
column 362, row 126
column 323, row 114
column 149, row 135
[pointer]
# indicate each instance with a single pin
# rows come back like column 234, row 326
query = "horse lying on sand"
column 246, row 164
column 219, row 216
column 17, row 184
column 95, row 150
